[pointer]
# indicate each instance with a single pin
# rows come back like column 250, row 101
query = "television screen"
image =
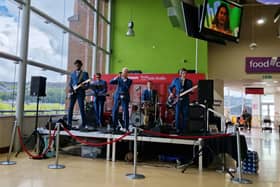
column 221, row 18
column 192, row 15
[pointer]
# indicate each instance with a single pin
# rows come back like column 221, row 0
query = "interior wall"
column 157, row 47
column 228, row 62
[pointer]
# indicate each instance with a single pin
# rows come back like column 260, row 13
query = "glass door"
column 267, row 111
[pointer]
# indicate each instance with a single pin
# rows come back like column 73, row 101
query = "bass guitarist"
column 181, row 84
column 77, row 86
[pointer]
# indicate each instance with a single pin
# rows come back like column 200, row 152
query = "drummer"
column 149, row 95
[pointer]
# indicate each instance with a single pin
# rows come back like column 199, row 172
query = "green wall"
column 157, row 46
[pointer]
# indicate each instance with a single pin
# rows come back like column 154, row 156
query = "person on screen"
column 221, row 20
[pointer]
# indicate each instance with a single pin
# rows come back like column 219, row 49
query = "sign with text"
column 257, row 91
column 262, row 64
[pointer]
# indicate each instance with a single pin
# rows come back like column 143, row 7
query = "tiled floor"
column 100, row 173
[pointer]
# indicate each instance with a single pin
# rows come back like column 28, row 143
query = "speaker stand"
column 35, row 132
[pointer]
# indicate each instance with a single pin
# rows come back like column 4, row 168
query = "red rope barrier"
column 30, row 154
column 82, row 141
column 184, row 137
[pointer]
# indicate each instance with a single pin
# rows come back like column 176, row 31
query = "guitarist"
column 77, row 77
column 181, row 84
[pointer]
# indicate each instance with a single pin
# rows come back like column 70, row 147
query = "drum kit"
column 149, row 115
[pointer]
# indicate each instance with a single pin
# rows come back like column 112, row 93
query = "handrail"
column 57, row 111
column 223, row 119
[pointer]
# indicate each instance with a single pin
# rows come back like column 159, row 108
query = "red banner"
column 160, row 83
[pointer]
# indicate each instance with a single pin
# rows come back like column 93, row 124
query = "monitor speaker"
column 38, row 86
column 206, row 92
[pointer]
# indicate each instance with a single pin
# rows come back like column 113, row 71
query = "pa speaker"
column 196, row 112
column 206, row 92
column 196, row 126
column 38, row 86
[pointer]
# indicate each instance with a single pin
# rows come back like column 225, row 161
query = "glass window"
column 267, row 98
column 102, row 31
column 8, row 85
column 10, row 24
column 48, row 44
column 75, row 15
column 103, row 8
column 60, row 10
column 101, row 61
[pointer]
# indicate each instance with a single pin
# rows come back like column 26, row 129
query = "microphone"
column 138, row 88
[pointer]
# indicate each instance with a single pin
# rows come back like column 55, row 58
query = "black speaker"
column 196, row 112
column 206, row 92
column 196, row 126
column 38, row 86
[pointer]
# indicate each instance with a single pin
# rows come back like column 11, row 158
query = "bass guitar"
column 172, row 100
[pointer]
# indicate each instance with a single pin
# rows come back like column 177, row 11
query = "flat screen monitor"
column 221, row 18
column 192, row 15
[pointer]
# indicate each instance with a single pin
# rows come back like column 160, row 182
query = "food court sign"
column 262, row 64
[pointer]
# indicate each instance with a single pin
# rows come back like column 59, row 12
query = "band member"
column 149, row 94
column 99, row 88
column 149, row 99
column 77, row 86
column 181, row 84
column 121, row 97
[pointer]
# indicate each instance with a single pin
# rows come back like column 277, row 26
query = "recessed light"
column 260, row 21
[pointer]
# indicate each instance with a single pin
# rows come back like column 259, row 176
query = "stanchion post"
column 200, row 156
column 8, row 161
column 108, row 145
column 134, row 175
column 239, row 178
column 56, row 165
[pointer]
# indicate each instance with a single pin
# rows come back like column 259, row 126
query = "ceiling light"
column 260, row 21
column 275, row 82
column 130, row 31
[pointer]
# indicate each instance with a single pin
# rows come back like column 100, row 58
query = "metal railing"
column 33, row 112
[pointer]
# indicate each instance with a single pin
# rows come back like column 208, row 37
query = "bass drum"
column 136, row 119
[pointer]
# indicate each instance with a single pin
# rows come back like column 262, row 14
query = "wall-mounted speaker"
column 173, row 16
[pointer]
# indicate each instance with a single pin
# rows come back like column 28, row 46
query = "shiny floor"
column 88, row 172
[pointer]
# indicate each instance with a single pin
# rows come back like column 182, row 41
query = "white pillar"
column 25, row 22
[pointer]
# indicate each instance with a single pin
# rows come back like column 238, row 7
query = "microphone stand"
column 140, row 97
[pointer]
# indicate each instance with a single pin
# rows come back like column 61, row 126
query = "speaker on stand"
column 37, row 89
column 206, row 98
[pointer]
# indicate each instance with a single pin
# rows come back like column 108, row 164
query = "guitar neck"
column 79, row 85
column 188, row 91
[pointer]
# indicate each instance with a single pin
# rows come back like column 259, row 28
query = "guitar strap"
column 80, row 77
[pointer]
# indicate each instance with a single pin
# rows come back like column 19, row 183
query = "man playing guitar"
column 78, row 84
column 181, row 84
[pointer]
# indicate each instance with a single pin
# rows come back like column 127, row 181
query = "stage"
column 219, row 143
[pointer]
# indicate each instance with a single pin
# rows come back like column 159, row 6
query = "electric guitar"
column 172, row 100
column 76, row 87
